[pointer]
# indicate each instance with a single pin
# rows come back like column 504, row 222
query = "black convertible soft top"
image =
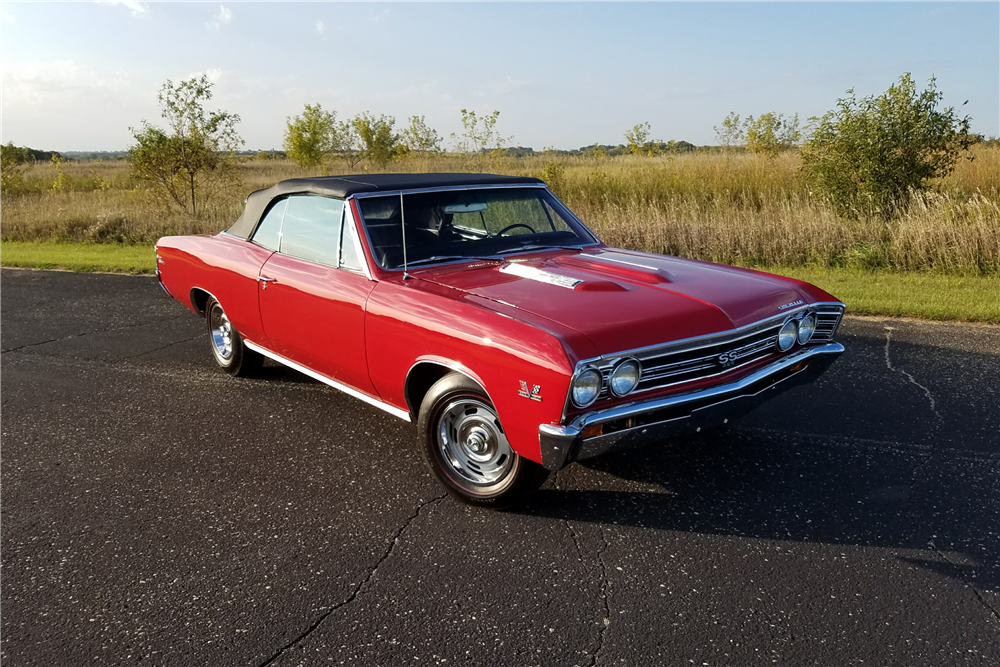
column 344, row 186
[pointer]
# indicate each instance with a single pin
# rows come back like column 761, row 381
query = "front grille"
column 699, row 358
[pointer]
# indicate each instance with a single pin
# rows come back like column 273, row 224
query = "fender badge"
column 534, row 394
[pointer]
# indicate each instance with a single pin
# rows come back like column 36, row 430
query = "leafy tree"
column 868, row 155
column 311, row 137
column 480, row 137
column 11, row 170
column 186, row 163
column 379, row 144
column 420, row 137
column 771, row 133
column 638, row 140
column 731, row 132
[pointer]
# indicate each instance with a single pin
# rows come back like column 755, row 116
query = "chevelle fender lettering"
column 430, row 296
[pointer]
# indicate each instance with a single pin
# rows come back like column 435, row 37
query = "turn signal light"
column 593, row 431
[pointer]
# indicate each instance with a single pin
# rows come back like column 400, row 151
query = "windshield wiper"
column 447, row 258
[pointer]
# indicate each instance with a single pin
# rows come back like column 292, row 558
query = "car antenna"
column 402, row 222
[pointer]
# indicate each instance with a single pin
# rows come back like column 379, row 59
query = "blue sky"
column 76, row 76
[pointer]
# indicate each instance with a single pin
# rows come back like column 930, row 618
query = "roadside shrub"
column 868, row 155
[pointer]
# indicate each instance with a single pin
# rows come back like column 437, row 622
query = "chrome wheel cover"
column 472, row 444
column 222, row 333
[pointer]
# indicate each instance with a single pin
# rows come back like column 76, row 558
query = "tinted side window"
column 268, row 232
column 311, row 230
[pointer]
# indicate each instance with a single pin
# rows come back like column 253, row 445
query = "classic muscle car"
column 481, row 308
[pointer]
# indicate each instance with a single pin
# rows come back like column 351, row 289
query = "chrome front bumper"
column 651, row 420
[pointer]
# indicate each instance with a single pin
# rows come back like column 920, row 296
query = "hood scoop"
column 540, row 275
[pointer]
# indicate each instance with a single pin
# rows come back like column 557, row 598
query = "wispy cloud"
column 224, row 17
column 35, row 84
column 138, row 8
column 321, row 29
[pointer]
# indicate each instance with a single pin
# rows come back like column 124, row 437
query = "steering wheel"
column 515, row 226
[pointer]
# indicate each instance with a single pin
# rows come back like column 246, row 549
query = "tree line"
column 867, row 156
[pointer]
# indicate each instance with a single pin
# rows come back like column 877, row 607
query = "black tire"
column 227, row 345
column 465, row 446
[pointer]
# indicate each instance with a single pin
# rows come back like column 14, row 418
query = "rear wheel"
column 467, row 448
column 227, row 345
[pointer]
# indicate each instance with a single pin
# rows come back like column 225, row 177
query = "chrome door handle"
column 263, row 280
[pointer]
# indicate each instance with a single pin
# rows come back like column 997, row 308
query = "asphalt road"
column 157, row 511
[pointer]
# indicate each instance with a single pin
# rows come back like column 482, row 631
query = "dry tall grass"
column 739, row 209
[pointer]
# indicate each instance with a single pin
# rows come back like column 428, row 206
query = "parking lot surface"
column 157, row 511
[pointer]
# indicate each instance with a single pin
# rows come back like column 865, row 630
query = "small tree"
column 195, row 155
column 731, row 133
column 313, row 136
column 379, row 144
column 420, row 137
column 480, row 137
column 12, row 159
column 868, row 155
column 771, row 133
column 638, row 140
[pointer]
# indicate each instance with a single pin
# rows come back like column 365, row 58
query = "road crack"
column 606, row 621
column 162, row 347
column 71, row 337
column 357, row 589
column 961, row 575
column 888, row 364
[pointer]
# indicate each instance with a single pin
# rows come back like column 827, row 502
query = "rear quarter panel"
column 224, row 266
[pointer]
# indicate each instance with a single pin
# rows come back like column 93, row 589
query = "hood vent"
column 540, row 275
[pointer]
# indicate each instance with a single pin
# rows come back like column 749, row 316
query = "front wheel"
column 467, row 448
column 227, row 345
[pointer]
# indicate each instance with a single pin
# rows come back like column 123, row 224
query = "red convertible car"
column 481, row 308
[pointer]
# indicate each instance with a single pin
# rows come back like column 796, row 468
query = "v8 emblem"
column 534, row 394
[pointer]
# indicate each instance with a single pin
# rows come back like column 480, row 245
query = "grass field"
column 939, row 260
column 889, row 293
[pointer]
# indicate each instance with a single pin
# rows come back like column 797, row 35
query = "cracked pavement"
column 156, row 510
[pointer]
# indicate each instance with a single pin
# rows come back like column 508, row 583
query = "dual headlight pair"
column 796, row 330
column 622, row 381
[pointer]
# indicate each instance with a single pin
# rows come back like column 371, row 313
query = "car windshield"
column 446, row 226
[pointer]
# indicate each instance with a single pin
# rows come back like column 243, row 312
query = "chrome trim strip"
column 351, row 224
column 395, row 412
column 639, row 407
column 447, row 188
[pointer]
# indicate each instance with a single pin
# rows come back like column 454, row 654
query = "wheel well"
column 199, row 299
column 420, row 379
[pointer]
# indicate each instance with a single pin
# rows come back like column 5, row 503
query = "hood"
column 623, row 300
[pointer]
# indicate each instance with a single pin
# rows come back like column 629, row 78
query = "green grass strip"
column 886, row 293
column 904, row 294
column 82, row 257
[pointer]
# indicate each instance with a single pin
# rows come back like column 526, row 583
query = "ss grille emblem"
column 534, row 394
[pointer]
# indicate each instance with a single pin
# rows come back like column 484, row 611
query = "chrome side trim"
column 395, row 412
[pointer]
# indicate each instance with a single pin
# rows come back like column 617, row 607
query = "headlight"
column 586, row 387
column 624, row 377
column 786, row 337
column 806, row 328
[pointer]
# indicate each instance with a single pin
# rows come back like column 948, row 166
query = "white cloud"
column 321, row 29
column 224, row 17
column 8, row 18
column 138, row 8
column 214, row 75
column 40, row 83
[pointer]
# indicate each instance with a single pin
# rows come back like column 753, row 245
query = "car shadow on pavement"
column 761, row 484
